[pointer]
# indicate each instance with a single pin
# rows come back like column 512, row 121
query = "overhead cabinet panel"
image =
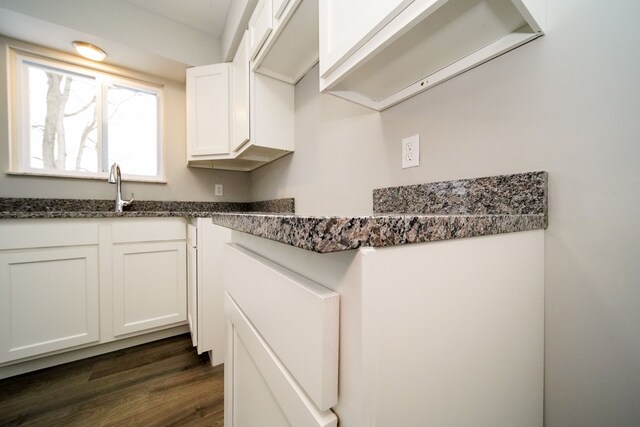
column 240, row 96
column 346, row 25
column 278, row 8
column 427, row 43
column 207, row 115
column 291, row 50
column 260, row 26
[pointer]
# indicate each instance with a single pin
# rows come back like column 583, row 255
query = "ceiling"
column 207, row 16
column 159, row 37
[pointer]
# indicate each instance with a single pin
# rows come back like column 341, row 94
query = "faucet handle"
column 128, row 202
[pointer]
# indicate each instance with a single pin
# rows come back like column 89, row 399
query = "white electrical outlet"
column 219, row 190
column 411, row 152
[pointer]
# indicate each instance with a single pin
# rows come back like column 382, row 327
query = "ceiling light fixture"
column 89, row 51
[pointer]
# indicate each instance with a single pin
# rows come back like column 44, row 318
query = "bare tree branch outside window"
column 63, row 116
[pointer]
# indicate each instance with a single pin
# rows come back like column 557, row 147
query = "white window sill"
column 125, row 178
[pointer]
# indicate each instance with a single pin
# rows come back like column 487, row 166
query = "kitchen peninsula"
column 400, row 301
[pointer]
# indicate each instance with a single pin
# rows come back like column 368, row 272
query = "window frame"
column 19, row 144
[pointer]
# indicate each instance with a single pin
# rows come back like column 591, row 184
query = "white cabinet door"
column 260, row 26
column 149, row 286
column 240, row 96
column 259, row 390
column 298, row 319
column 347, row 25
column 255, row 404
column 208, row 124
column 48, row 300
column 192, row 292
column 272, row 113
column 278, row 8
column 212, row 331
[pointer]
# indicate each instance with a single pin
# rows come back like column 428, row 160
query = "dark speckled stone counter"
column 87, row 208
column 522, row 193
column 420, row 213
column 333, row 234
column 409, row 214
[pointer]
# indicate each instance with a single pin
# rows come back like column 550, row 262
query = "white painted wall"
column 125, row 23
column 568, row 103
column 182, row 183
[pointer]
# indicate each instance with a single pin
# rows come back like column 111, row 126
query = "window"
column 76, row 121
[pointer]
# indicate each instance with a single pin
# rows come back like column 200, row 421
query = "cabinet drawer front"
column 39, row 233
column 48, row 301
column 298, row 319
column 258, row 388
column 148, row 230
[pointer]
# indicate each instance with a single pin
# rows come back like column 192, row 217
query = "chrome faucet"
column 114, row 178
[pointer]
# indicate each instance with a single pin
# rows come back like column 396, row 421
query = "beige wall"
column 568, row 103
column 182, row 183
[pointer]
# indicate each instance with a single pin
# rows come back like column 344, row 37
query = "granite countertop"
column 420, row 213
column 401, row 215
column 333, row 234
column 24, row 208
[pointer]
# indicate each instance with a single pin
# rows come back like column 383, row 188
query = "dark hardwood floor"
column 164, row 383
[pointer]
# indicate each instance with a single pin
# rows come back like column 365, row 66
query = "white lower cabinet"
column 204, row 291
column 281, row 367
column 71, row 284
column 255, row 404
column 149, row 286
column 192, row 282
column 48, row 300
column 446, row 333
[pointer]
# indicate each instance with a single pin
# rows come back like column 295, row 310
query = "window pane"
column 133, row 130
column 62, row 120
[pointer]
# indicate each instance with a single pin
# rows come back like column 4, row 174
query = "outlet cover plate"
column 219, row 190
column 411, row 152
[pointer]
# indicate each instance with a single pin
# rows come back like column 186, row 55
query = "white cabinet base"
column 444, row 333
column 48, row 300
column 277, row 397
column 205, row 291
column 149, row 283
column 70, row 286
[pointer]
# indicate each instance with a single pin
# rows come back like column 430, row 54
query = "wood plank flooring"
column 164, row 383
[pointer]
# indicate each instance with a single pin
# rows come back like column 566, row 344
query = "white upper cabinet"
column 380, row 53
column 262, row 120
column 240, row 96
column 260, row 26
column 346, row 25
column 208, row 95
column 272, row 120
column 245, row 118
column 292, row 47
column 278, row 8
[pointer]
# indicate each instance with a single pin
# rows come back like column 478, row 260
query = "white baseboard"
column 84, row 353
